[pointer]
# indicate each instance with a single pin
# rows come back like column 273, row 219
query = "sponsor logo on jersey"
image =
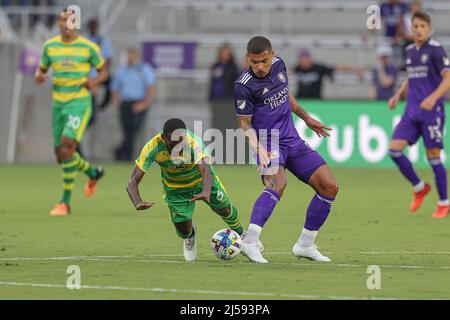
column 277, row 99
column 281, row 77
column 265, row 91
column 446, row 61
column 408, row 61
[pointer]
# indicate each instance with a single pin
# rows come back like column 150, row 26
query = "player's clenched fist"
column 40, row 77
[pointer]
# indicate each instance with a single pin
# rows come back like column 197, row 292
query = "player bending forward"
column 263, row 104
column 71, row 58
column 187, row 176
column 428, row 80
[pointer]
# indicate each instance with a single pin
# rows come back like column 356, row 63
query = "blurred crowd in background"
column 132, row 83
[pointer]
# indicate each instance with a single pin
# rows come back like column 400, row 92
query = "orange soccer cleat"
column 441, row 212
column 61, row 209
column 418, row 197
column 89, row 188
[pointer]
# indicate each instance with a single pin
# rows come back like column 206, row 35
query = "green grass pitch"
column 123, row 254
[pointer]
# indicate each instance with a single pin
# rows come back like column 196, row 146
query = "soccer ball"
column 226, row 244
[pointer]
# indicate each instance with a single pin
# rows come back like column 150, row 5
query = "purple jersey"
column 267, row 101
column 425, row 67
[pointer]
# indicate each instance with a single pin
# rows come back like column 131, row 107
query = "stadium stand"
column 338, row 35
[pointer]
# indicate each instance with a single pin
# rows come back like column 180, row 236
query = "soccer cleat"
column 441, row 212
column 190, row 247
column 261, row 246
column 253, row 252
column 61, row 209
column 418, row 197
column 311, row 253
column 89, row 188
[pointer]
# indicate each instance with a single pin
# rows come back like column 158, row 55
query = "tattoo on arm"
column 245, row 123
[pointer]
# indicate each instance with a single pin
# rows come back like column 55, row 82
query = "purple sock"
column 263, row 207
column 440, row 175
column 405, row 166
column 317, row 212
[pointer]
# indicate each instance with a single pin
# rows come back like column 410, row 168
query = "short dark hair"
column 173, row 124
column 422, row 15
column 258, row 44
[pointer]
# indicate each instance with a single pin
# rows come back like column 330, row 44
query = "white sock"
column 443, row 202
column 253, row 233
column 307, row 238
column 419, row 187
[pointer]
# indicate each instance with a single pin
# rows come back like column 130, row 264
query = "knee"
column 224, row 212
column 66, row 151
column 330, row 189
column 279, row 187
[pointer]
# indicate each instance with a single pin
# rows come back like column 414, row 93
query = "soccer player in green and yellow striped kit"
column 71, row 58
column 187, row 176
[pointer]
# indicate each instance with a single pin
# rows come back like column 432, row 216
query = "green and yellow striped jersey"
column 178, row 172
column 71, row 63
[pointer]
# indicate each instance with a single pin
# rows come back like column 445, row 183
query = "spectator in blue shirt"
column 133, row 88
column 384, row 76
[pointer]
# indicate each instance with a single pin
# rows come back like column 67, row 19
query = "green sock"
column 85, row 166
column 233, row 221
column 69, row 175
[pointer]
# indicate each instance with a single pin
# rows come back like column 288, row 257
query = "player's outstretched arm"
column 430, row 101
column 318, row 127
column 245, row 123
column 133, row 190
column 398, row 95
column 207, row 179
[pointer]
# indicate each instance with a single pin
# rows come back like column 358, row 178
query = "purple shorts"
column 430, row 127
column 300, row 160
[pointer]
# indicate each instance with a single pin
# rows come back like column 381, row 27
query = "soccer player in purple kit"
column 428, row 80
column 264, row 104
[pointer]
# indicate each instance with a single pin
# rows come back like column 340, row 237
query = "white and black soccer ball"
column 226, row 244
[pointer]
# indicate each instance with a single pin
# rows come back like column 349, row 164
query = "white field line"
column 208, row 292
column 180, row 255
column 126, row 259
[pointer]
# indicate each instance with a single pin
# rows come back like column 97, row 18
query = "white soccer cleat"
column 253, row 252
column 310, row 253
column 190, row 247
column 260, row 245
